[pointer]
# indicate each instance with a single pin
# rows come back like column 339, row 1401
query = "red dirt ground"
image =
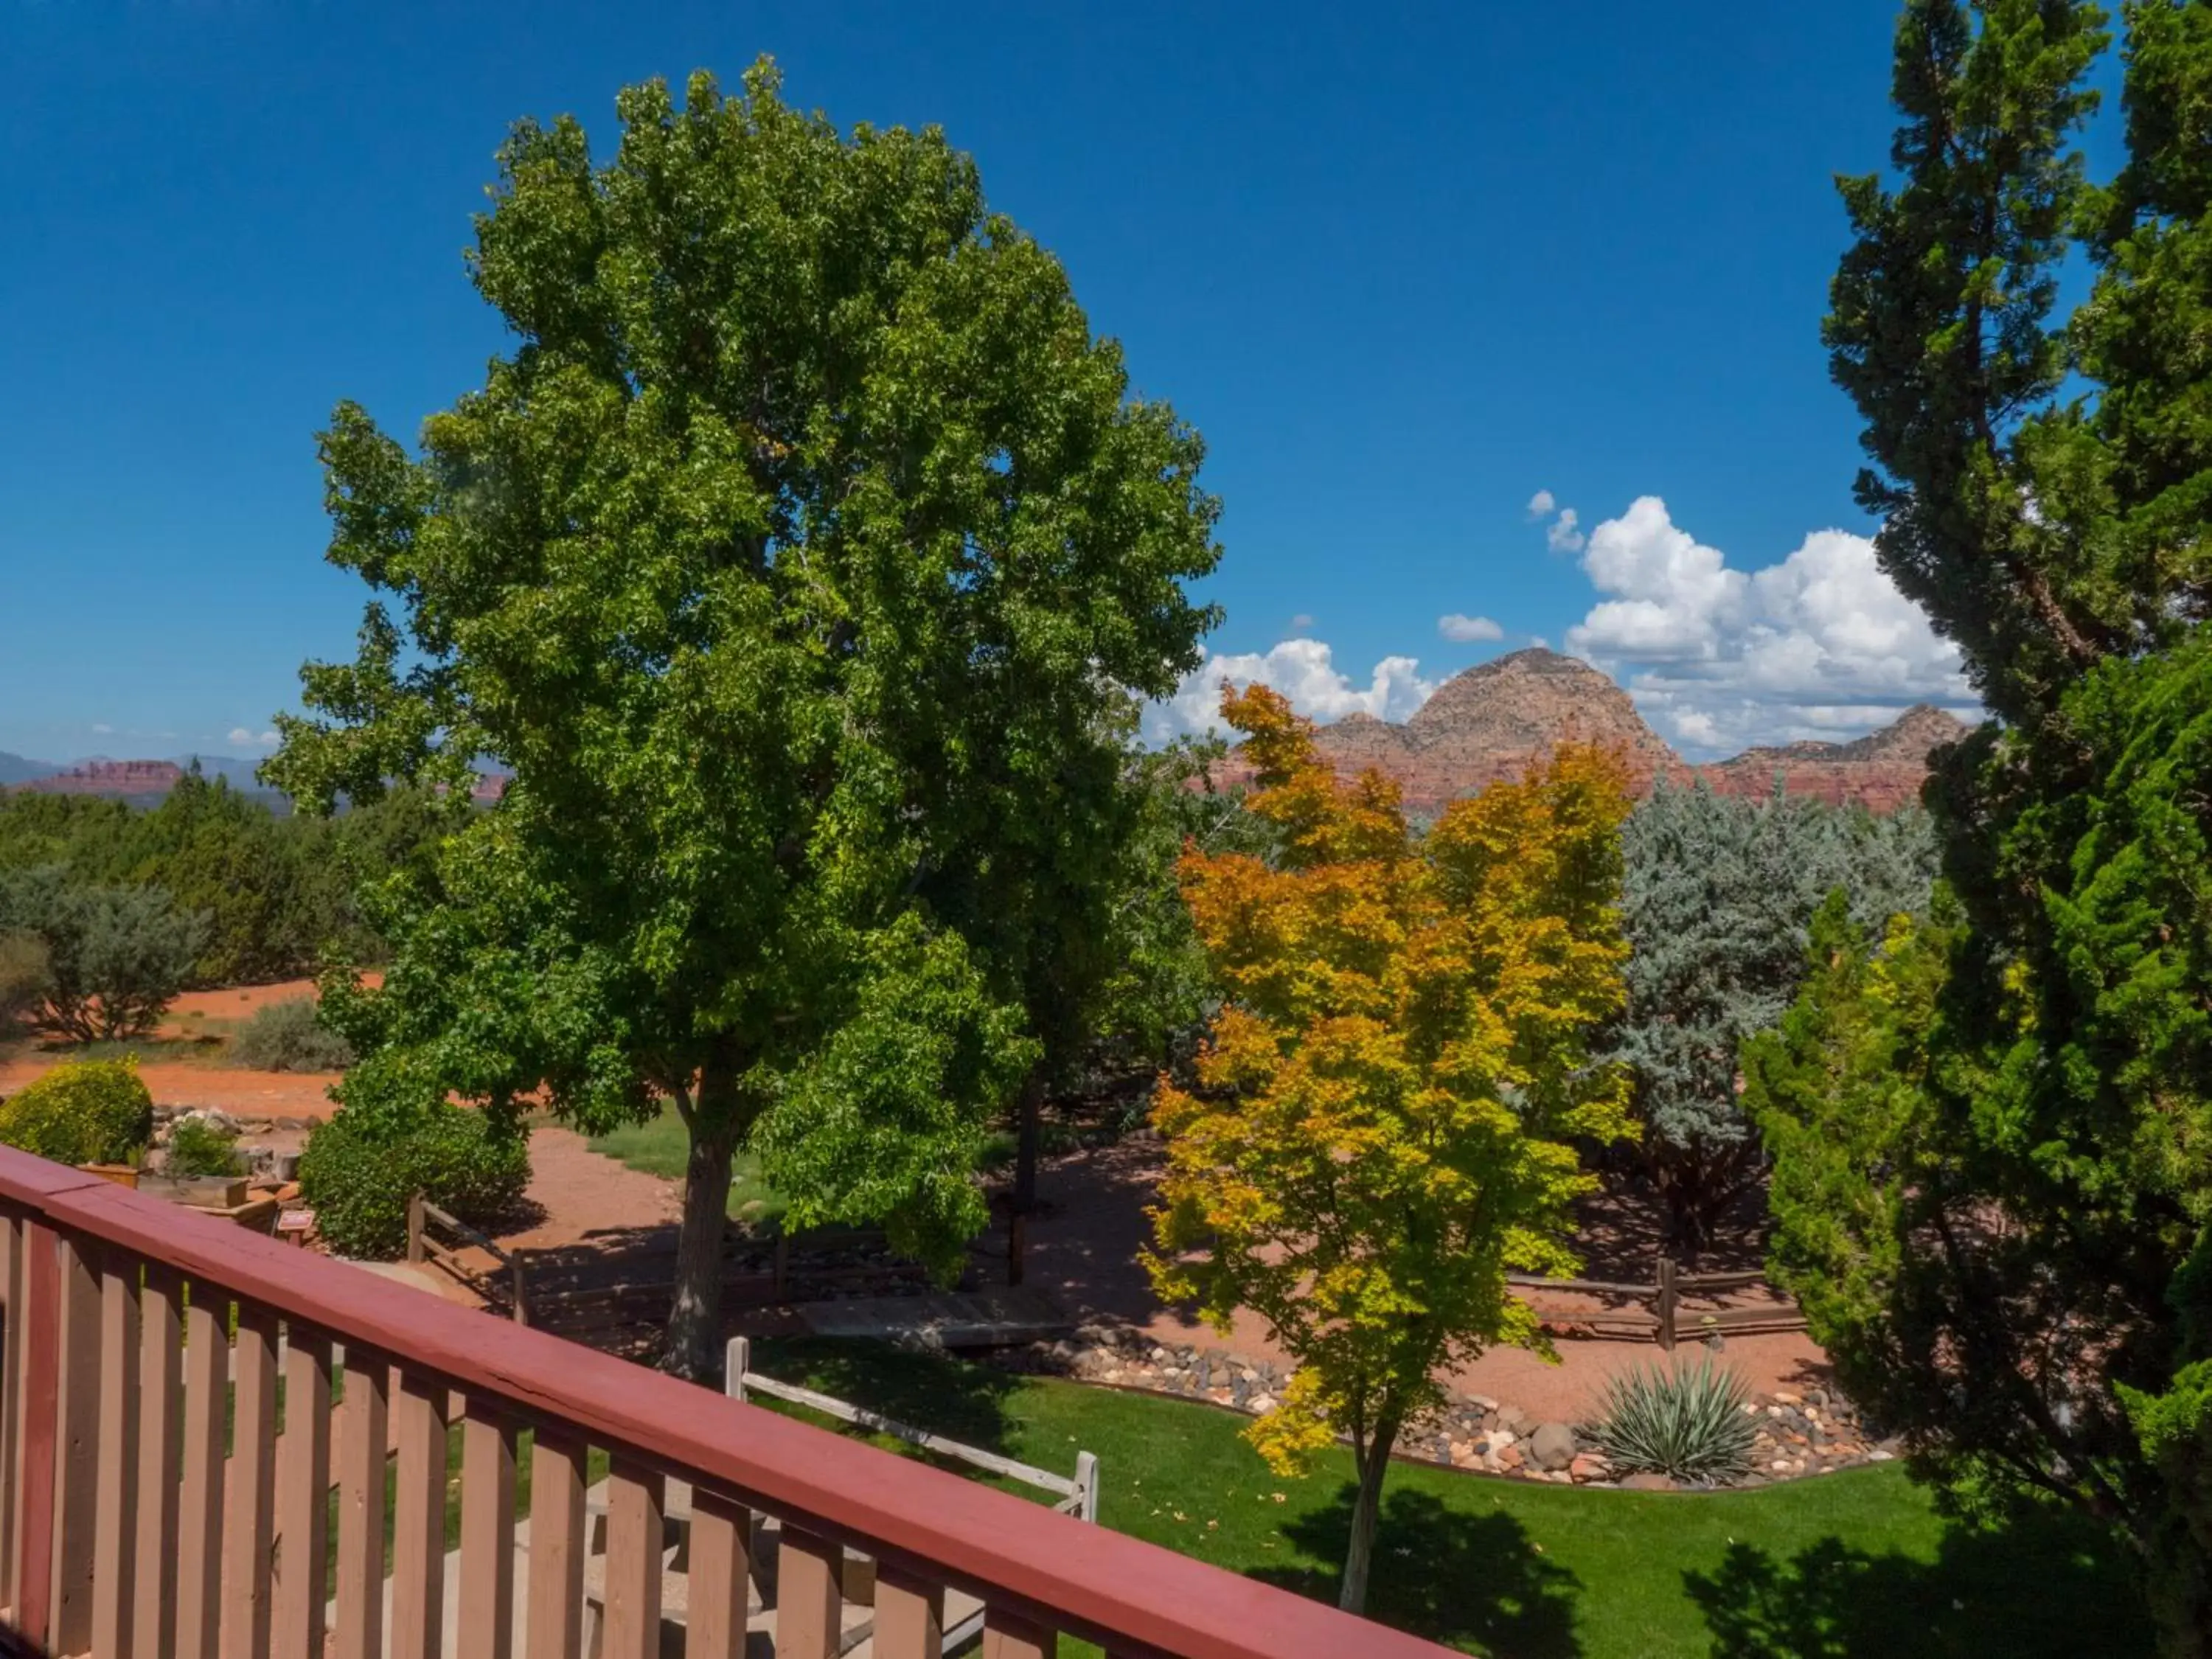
column 1083, row 1251
column 1081, row 1248
column 235, row 1090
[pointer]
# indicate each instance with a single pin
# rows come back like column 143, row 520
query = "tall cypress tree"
column 2031, row 1300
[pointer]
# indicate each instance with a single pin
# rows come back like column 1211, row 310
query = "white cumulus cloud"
column 1540, row 504
column 1564, row 536
column 1720, row 659
column 1463, row 630
column 1305, row 672
column 247, row 739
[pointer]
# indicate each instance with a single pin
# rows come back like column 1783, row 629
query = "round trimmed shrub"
column 289, row 1037
column 84, row 1111
column 359, row 1171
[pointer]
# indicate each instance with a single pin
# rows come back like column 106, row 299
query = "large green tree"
column 799, row 561
column 2018, row 1254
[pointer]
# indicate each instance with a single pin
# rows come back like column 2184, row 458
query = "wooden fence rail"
column 150, row 1509
column 422, row 1248
column 1666, row 1324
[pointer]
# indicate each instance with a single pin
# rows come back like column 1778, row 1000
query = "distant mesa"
column 147, row 780
column 110, row 777
column 1494, row 721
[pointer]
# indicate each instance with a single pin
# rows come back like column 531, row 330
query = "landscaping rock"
column 1588, row 1466
column 1644, row 1481
column 1553, row 1446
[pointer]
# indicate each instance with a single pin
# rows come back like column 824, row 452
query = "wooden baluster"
column 721, row 1578
column 909, row 1614
column 76, row 1447
column 114, row 1545
column 557, row 1544
column 35, row 1408
column 418, row 1541
column 363, row 1434
column 634, row 1535
column 200, row 1521
column 487, row 1534
column 160, row 1406
column 303, row 1497
column 809, row 1605
column 250, row 1491
column 1011, row 1636
column 12, row 1372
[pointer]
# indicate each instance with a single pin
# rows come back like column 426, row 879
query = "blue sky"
column 1405, row 267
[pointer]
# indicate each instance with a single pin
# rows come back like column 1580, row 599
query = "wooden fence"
column 1666, row 1322
column 421, row 1248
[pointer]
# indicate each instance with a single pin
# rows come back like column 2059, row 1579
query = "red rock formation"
column 1499, row 720
column 105, row 777
column 1882, row 770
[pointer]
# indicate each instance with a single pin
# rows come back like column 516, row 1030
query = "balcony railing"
column 149, row 1508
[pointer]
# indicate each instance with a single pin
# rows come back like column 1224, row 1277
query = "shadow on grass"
column 2048, row 1582
column 1451, row 1577
column 967, row 1403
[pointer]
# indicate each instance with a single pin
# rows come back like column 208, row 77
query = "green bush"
column 289, row 1037
column 197, row 1148
column 359, row 1171
column 86, row 1111
column 1683, row 1421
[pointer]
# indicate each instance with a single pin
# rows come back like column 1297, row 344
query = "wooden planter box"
column 122, row 1175
column 200, row 1192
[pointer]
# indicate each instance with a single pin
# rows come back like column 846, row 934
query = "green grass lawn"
column 662, row 1147
column 1847, row 1564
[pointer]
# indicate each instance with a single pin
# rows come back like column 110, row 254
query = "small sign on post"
column 298, row 1223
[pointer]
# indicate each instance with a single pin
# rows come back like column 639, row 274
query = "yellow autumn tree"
column 1389, row 1108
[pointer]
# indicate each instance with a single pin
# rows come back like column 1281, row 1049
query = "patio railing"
column 148, row 1505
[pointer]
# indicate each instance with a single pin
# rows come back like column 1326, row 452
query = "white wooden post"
column 1086, row 1484
column 737, row 1360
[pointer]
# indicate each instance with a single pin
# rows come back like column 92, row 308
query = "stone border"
column 1800, row 1433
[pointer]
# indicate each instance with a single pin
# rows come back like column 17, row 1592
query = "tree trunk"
column 695, row 1320
column 1374, row 1462
column 1029, row 1140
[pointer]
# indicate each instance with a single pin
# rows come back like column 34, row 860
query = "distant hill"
column 1496, row 720
column 127, row 779
column 14, row 769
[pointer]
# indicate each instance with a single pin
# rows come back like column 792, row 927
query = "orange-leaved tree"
column 1389, row 1107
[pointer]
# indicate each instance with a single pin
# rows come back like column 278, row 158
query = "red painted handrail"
column 1131, row 1597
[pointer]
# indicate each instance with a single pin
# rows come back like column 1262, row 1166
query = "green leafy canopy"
column 801, row 561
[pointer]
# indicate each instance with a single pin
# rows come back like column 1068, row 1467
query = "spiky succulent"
column 1685, row 1421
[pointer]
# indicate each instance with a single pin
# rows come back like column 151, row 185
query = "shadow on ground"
column 2047, row 1583
column 1472, row 1581
column 967, row 1403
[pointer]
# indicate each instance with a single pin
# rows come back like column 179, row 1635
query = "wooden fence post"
column 737, row 1360
column 1668, row 1299
column 415, row 1228
column 1086, row 1485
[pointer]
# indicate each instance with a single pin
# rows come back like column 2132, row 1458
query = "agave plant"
column 1683, row 1421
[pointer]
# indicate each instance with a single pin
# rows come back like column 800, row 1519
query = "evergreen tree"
column 2030, row 1307
column 1718, row 893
